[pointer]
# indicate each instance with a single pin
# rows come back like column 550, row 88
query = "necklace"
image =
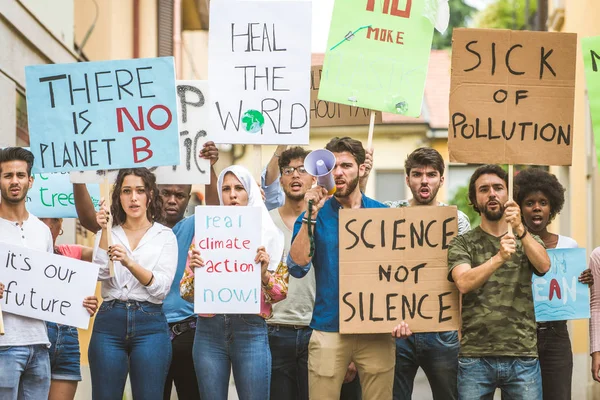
column 137, row 229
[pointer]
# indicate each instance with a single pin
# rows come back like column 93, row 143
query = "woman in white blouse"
column 130, row 332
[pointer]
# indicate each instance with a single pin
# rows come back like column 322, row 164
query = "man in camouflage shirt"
column 492, row 270
column 435, row 352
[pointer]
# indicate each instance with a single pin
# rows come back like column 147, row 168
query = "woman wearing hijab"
column 238, row 341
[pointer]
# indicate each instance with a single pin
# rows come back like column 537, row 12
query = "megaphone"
column 320, row 163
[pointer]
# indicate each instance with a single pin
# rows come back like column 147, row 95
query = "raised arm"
column 300, row 250
column 85, row 208
column 211, row 152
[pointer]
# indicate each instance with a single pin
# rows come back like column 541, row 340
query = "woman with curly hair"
column 131, row 333
column 541, row 198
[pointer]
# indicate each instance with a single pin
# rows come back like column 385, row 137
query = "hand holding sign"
column 263, row 258
column 195, row 260
column 90, row 303
column 507, row 247
column 210, row 152
column 117, row 252
column 103, row 215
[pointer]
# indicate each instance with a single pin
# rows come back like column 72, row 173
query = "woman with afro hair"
column 541, row 197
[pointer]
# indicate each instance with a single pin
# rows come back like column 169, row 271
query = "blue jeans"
column 437, row 354
column 518, row 378
column 64, row 352
column 237, row 341
column 289, row 372
column 24, row 372
column 129, row 337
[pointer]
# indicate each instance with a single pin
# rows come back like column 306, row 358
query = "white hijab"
column 271, row 237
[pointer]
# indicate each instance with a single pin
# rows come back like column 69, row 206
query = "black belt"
column 283, row 326
column 178, row 328
column 551, row 324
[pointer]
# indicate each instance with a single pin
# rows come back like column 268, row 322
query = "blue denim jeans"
column 518, row 378
column 237, row 341
column 129, row 337
column 24, row 372
column 437, row 354
column 64, row 352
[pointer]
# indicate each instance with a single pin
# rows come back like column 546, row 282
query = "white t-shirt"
column 297, row 307
column 565, row 242
column 33, row 234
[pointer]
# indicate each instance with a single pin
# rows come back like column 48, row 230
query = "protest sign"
column 193, row 116
column 102, row 115
column 591, row 60
column 394, row 267
column 230, row 281
column 377, row 55
column 46, row 286
column 558, row 295
column 51, row 196
column 259, row 71
column 326, row 113
column 512, row 97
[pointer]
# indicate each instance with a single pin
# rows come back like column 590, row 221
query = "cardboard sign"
column 46, row 286
column 258, row 65
column 394, row 267
column 230, row 282
column 193, row 117
column 102, row 115
column 559, row 295
column 377, row 55
column 326, row 113
column 512, row 97
column 51, row 196
column 591, row 59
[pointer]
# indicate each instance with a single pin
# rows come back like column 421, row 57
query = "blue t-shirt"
column 175, row 308
column 326, row 260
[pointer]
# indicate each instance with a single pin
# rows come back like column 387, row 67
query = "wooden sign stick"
column 510, row 190
column 1, row 323
column 105, row 190
column 371, row 129
column 257, row 162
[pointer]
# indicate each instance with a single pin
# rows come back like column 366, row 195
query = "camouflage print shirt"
column 498, row 319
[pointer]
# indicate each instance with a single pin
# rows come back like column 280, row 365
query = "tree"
column 508, row 14
column 461, row 200
column 460, row 15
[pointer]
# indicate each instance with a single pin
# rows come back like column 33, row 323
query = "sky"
column 322, row 10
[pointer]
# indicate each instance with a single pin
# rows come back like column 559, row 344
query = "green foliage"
column 460, row 14
column 507, row 14
column 461, row 200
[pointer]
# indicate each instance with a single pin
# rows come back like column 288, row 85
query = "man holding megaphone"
column 329, row 352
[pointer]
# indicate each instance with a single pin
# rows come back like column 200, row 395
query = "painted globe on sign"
column 253, row 121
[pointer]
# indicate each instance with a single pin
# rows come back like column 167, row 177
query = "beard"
column 425, row 202
column 293, row 196
column 492, row 215
column 350, row 187
column 13, row 200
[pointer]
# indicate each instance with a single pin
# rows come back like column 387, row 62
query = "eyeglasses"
column 290, row 170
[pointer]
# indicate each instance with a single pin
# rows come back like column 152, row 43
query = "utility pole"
column 542, row 13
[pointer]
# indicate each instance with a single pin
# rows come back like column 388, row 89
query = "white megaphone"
column 320, row 163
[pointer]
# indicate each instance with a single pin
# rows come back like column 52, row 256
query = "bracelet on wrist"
column 150, row 281
column 307, row 221
column 524, row 233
